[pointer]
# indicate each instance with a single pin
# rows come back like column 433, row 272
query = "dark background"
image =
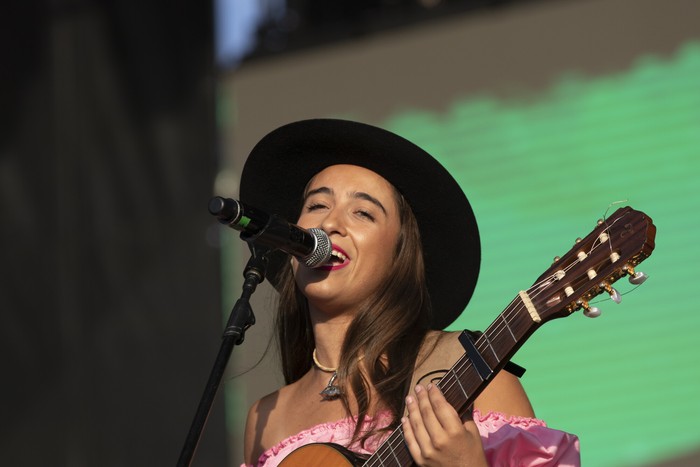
column 110, row 286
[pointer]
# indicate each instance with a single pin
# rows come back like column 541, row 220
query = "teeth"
column 339, row 255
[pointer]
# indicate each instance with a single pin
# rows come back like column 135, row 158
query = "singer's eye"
column 314, row 207
column 365, row 214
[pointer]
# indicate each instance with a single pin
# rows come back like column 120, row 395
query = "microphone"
column 310, row 246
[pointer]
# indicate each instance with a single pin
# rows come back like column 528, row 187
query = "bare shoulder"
column 285, row 412
column 259, row 424
column 504, row 393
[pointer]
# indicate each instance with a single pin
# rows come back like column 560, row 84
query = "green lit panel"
column 540, row 171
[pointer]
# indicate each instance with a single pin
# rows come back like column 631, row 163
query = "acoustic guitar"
column 611, row 251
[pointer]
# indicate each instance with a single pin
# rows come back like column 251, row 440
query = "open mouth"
column 337, row 260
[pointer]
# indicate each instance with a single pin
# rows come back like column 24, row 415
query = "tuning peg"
column 636, row 278
column 614, row 294
column 590, row 311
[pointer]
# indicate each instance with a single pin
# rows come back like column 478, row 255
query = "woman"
column 360, row 336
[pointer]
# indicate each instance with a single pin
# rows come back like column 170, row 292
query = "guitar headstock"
column 611, row 251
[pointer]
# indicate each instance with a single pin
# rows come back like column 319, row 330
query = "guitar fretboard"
column 463, row 382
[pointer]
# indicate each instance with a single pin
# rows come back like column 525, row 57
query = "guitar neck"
column 464, row 382
column 609, row 252
column 496, row 345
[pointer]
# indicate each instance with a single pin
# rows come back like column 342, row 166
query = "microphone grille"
column 323, row 249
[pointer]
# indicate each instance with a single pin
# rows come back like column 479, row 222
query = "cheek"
column 389, row 257
column 299, row 277
column 386, row 250
column 304, row 221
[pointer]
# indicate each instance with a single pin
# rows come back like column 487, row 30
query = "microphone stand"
column 240, row 319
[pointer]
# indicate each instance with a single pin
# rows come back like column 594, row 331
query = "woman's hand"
column 436, row 436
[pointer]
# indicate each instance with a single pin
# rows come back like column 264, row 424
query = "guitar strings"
column 395, row 439
column 513, row 308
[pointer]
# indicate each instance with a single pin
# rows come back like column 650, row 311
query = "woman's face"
column 357, row 209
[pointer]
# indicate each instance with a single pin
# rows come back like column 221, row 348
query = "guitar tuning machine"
column 635, row 278
column 589, row 311
column 614, row 294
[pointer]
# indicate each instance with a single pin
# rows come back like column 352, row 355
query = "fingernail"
column 419, row 388
column 430, row 386
column 409, row 400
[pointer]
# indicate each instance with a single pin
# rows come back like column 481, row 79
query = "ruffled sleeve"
column 339, row 432
column 520, row 441
column 508, row 441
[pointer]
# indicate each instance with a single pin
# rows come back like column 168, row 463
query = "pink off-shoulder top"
column 508, row 441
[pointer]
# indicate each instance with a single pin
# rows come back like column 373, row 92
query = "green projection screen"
column 540, row 173
column 600, row 122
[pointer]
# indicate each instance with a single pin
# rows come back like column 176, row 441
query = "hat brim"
column 282, row 163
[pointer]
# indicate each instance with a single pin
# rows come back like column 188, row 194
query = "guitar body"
column 321, row 455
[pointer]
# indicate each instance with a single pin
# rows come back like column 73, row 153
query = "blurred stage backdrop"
column 125, row 117
column 547, row 113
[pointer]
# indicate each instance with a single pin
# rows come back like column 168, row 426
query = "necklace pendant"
column 331, row 392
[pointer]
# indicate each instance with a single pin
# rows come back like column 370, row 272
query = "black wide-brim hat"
column 282, row 163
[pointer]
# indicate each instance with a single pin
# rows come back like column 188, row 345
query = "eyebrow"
column 356, row 194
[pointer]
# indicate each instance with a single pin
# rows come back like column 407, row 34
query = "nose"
column 333, row 223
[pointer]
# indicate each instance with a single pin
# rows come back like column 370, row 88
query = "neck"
column 329, row 335
column 328, row 349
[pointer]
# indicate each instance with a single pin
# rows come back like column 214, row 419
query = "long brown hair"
column 385, row 335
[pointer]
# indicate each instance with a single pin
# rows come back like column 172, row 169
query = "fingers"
column 415, row 430
column 432, row 424
column 436, row 413
column 446, row 417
